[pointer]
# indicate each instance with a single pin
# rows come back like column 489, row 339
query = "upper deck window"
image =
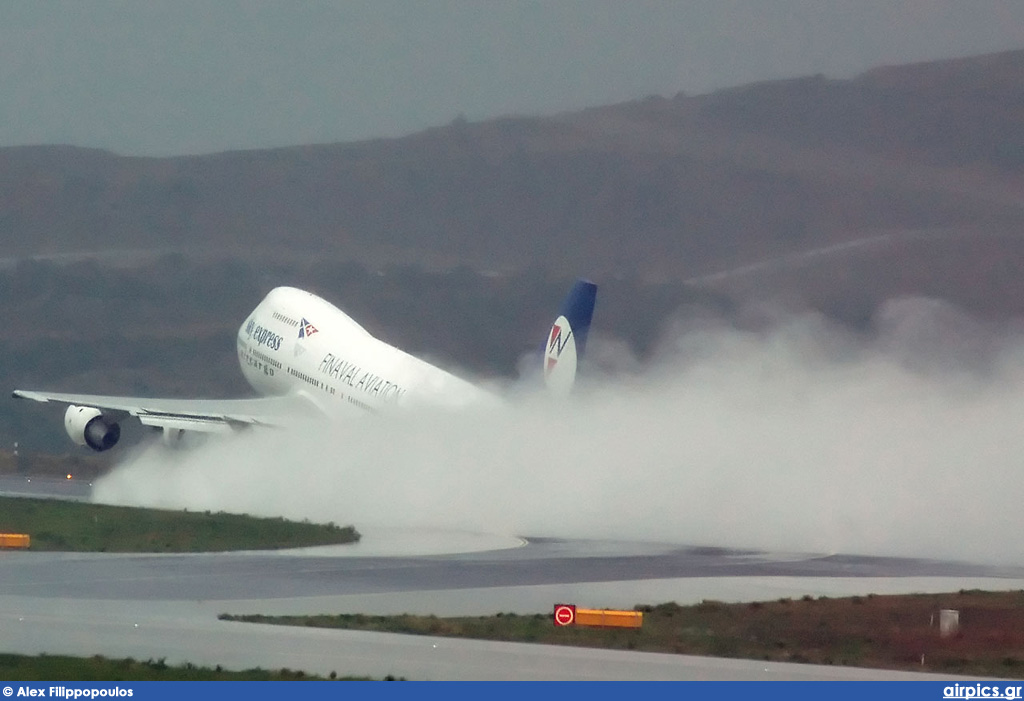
column 285, row 319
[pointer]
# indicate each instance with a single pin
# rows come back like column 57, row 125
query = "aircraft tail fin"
column 567, row 339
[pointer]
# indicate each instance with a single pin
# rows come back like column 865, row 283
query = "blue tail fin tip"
column 578, row 309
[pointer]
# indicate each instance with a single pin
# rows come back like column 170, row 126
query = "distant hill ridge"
column 660, row 187
column 831, row 194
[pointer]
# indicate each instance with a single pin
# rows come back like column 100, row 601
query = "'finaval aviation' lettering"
column 352, row 375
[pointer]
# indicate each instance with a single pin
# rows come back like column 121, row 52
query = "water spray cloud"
column 797, row 437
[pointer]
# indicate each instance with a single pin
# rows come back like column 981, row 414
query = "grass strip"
column 28, row 668
column 76, row 526
column 887, row 632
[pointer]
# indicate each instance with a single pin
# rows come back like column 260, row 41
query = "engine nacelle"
column 87, row 426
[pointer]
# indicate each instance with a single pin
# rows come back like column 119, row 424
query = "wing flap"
column 187, row 423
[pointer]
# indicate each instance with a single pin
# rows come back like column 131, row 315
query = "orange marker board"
column 14, row 540
column 609, row 618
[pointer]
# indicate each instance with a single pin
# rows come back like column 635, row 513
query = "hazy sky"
column 193, row 77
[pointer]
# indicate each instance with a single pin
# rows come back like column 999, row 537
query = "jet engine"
column 88, row 426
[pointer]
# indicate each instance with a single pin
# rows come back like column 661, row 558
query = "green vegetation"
column 98, row 668
column 63, row 525
column 891, row 632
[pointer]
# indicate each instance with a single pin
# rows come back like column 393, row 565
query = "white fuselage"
column 297, row 343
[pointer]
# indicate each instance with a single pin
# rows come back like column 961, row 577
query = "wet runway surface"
column 145, row 605
column 227, row 576
column 45, row 487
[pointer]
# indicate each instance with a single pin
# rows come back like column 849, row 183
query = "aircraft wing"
column 207, row 415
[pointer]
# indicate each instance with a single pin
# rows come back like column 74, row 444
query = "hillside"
column 667, row 187
column 838, row 194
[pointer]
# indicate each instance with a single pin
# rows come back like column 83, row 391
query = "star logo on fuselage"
column 306, row 329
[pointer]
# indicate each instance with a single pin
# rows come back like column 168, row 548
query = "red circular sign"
column 565, row 614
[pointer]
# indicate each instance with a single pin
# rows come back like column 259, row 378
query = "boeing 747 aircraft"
column 304, row 356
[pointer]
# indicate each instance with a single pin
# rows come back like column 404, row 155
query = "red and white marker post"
column 565, row 614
